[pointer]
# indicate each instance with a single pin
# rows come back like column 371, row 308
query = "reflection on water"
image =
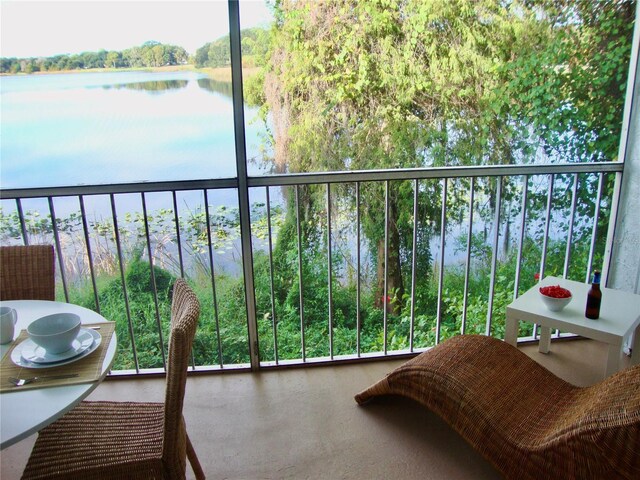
column 118, row 127
column 155, row 86
column 160, row 86
column 215, row 86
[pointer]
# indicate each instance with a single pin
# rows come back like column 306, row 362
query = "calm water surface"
column 93, row 128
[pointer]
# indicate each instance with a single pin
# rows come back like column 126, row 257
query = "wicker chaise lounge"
column 526, row 421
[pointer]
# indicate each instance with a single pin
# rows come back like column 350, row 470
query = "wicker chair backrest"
column 27, row 272
column 185, row 311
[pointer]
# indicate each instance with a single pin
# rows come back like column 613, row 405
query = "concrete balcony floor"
column 304, row 423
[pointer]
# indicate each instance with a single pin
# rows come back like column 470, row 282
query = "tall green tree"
column 113, row 59
column 413, row 83
column 386, row 84
column 569, row 79
column 218, row 54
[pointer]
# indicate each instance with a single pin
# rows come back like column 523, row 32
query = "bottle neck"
column 596, row 279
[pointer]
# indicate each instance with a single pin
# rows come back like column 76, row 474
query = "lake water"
column 119, row 127
column 95, row 128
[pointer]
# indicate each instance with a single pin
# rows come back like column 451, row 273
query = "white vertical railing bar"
column 594, row 232
column 523, row 226
column 87, row 241
column 116, row 233
column 523, row 230
column 574, row 200
column 177, row 222
column 494, row 256
column 23, row 227
column 243, row 188
column 545, row 240
column 413, row 263
column 613, row 218
column 572, row 215
column 467, row 269
column 154, row 286
column 358, row 318
column 273, row 297
column 547, row 223
column 300, row 284
column 213, row 277
column 443, row 228
column 385, row 297
column 56, row 236
column 329, row 271
column 176, row 219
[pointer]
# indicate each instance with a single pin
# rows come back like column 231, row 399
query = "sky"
column 45, row 28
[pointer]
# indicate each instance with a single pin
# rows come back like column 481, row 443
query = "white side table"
column 619, row 318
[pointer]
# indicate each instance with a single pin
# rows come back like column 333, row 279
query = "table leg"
column 511, row 331
column 613, row 359
column 545, row 339
column 635, row 347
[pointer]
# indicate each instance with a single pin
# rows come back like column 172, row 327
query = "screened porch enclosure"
column 311, row 268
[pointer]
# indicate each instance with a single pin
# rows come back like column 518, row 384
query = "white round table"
column 23, row 413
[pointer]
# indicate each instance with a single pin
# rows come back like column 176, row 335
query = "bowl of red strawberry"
column 555, row 297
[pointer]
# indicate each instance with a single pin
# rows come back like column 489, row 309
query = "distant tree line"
column 149, row 54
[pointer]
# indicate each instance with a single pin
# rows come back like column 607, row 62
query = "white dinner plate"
column 27, row 345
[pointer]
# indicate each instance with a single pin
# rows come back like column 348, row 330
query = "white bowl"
column 55, row 333
column 555, row 304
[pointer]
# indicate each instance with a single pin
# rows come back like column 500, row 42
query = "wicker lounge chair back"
column 27, row 273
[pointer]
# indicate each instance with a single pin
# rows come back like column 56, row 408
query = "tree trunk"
column 394, row 276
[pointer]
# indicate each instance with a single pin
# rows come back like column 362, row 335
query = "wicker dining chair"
column 27, row 273
column 527, row 422
column 118, row 440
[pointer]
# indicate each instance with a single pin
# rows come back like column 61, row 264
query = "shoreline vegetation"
column 213, row 58
column 221, row 74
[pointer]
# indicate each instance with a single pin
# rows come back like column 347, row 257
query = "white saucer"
column 35, row 353
column 28, row 354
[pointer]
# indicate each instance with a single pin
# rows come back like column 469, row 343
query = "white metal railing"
column 443, row 176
